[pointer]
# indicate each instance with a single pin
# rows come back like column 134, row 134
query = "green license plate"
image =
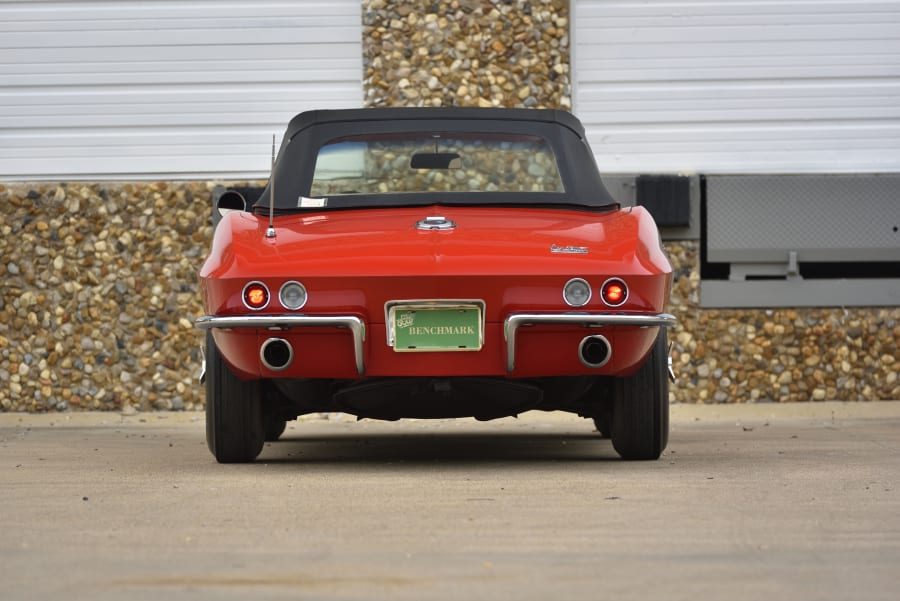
column 424, row 328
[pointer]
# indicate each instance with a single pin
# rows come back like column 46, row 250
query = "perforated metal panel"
column 766, row 230
column 758, row 219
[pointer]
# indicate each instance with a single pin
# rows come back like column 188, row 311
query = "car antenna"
column 270, row 232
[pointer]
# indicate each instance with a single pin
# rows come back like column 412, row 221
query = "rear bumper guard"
column 598, row 320
column 358, row 328
column 285, row 322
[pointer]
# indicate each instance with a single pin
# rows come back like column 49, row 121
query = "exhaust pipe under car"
column 594, row 351
column 276, row 354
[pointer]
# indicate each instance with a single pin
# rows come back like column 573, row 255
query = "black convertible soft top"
column 309, row 131
column 310, row 118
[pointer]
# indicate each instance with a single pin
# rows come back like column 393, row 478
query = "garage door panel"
column 755, row 86
column 93, row 88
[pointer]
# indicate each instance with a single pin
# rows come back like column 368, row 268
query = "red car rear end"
column 429, row 301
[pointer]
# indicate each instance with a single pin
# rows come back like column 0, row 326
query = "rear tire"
column 640, row 420
column 603, row 419
column 234, row 416
column 274, row 427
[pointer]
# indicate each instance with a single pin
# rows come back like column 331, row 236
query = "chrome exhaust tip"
column 276, row 354
column 594, row 351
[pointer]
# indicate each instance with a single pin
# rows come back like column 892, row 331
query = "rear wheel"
column 640, row 418
column 603, row 419
column 274, row 427
column 234, row 418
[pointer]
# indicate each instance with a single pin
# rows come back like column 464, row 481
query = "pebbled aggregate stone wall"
column 98, row 281
column 467, row 53
column 777, row 355
column 99, row 288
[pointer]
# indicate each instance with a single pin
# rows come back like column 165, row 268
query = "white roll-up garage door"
column 756, row 86
column 193, row 88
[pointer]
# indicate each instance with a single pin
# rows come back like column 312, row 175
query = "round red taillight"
column 614, row 292
column 256, row 295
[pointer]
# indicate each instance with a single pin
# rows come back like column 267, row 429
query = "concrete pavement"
column 748, row 502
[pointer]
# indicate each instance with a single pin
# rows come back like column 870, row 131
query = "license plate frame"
column 435, row 326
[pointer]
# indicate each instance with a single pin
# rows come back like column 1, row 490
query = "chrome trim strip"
column 671, row 371
column 284, row 322
column 202, row 376
column 587, row 320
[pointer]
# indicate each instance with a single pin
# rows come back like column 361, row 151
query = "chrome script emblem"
column 568, row 250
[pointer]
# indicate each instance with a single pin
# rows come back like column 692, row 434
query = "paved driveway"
column 748, row 502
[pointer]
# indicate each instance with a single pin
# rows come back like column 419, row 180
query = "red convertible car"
column 434, row 263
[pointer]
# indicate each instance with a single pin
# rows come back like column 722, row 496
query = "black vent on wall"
column 250, row 193
column 667, row 197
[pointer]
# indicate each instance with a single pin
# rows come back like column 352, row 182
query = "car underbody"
column 483, row 398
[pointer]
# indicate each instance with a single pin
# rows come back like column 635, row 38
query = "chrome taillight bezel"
column 281, row 293
column 262, row 285
column 587, row 288
column 624, row 286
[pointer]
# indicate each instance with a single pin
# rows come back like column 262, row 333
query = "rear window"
column 435, row 162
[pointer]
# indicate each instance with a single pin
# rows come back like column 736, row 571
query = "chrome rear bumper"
column 285, row 322
column 358, row 328
column 587, row 320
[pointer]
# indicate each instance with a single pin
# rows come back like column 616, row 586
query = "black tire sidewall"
column 234, row 421
column 640, row 421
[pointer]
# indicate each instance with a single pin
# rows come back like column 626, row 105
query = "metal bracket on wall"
column 624, row 189
column 742, row 272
